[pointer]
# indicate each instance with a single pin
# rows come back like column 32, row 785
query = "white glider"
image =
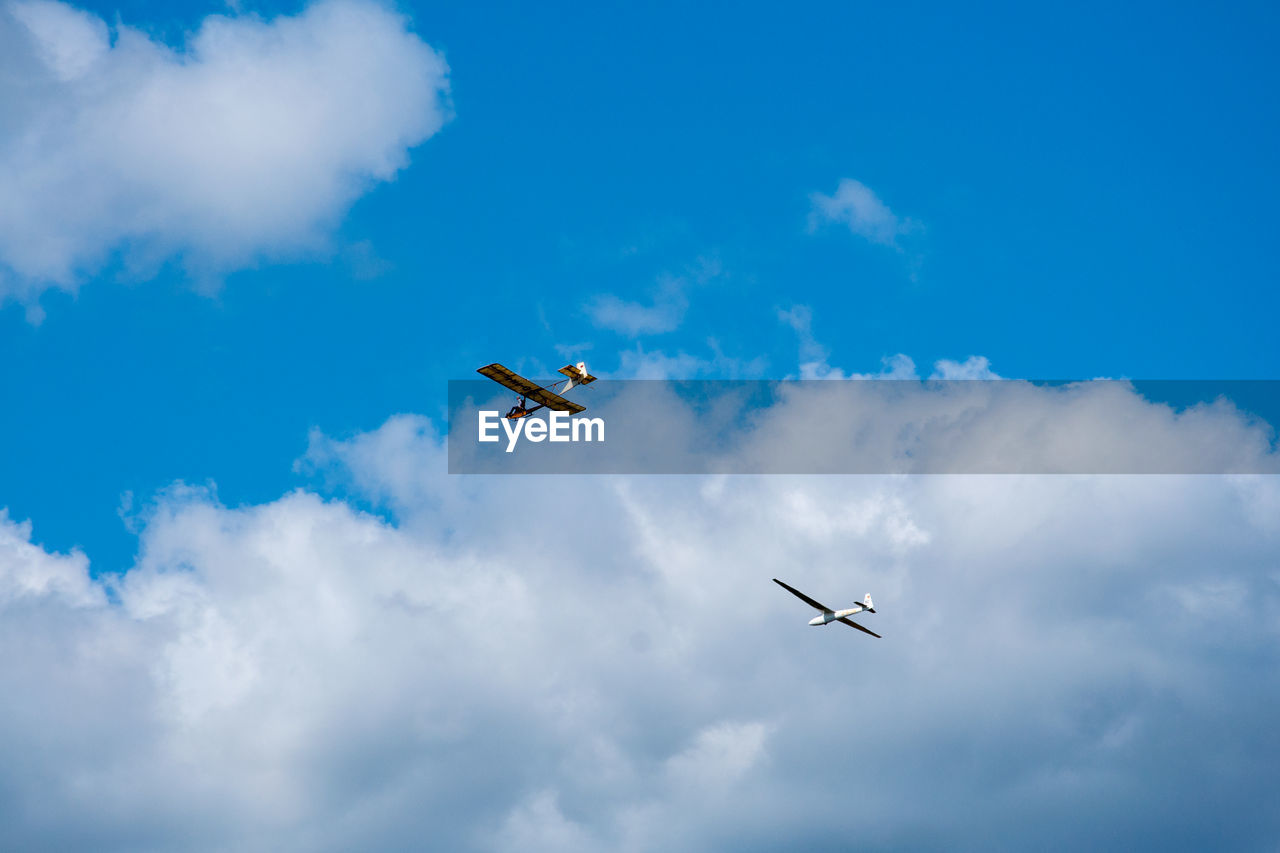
column 829, row 615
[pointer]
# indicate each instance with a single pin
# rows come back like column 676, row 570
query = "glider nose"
column 817, row 621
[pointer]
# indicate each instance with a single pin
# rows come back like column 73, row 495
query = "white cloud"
column 538, row 824
column 699, row 780
column 897, row 366
column 639, row 363
column 856, row 205
column 70, row 41
column 973, row 367
column 814, row 357
column 578, row 661
column 248, row 142
column 800, row 319
column 28, row 572
column 662, row 314
column 719, row 755
column 665, row 310
column 995, row 427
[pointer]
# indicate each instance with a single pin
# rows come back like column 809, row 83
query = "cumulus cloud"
column 641, row 363
column 973, row 367
column 815, row 357
column 999, row 427
column 27, row 572
column 663, row 312
column 854, row 204
column 578, row 662
column 247, row 141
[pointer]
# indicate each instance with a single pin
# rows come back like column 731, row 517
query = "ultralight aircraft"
column 545, row 396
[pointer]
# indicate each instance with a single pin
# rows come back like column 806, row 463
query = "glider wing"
column 800, row 595
column 846, row 620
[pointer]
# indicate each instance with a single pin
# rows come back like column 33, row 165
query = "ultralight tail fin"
column 577, row 374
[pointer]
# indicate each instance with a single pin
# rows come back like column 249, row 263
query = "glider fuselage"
column 832, row 615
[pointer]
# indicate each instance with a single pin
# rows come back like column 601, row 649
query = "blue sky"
column 1072, row 191
column 1093, row 190
column 1092, row 185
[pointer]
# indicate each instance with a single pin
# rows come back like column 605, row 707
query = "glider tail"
column 866, row 602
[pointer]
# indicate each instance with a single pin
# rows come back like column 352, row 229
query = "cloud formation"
column 815, row 356
column 856, row 205
column 571, row 661
column 662, row 314
column 248, row 141
column 665, row 310
column 973, row 367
